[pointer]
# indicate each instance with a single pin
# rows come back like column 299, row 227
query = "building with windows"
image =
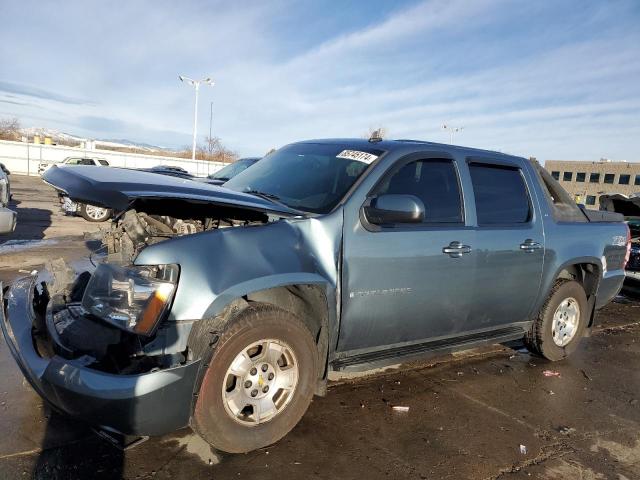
column 586, row 181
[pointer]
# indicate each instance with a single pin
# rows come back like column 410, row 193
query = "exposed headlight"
column 132, row 298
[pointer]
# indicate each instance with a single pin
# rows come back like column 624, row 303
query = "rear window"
column 500, row 193
column 563, row 207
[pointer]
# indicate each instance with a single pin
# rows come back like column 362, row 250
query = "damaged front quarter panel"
column 226, row 264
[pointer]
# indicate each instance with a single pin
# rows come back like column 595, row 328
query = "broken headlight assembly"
column 133, row 298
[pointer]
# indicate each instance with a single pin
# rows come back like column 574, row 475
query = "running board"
column 418, row 349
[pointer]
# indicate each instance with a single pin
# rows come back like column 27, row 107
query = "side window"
column 104, row 163
column 501, row 195
column 435, row 182
column 87, row 161
column 72, row 161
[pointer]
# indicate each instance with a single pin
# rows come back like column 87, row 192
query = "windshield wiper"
column 271, row 197
column 267, row 196
column 258, row 193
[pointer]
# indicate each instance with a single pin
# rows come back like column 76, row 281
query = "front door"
column 398, row 285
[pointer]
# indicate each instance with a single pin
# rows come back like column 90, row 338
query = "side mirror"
column 394, row 208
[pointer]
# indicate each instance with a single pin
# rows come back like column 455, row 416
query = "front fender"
column 219, row 266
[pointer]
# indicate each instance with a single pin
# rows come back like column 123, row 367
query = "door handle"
column 456, row 249
column 530, row 246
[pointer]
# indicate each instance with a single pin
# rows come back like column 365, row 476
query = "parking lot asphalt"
column 486, row 414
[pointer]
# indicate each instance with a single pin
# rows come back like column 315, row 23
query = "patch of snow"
column 197, row 446
column 12, row 246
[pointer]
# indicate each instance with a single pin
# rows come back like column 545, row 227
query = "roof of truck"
column 390, row 145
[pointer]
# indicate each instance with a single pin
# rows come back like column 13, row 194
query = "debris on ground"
column 399, row 408
column 523, row 449
column 585, row 375
column 564, row 430
column 551, row 373
column 621, row 299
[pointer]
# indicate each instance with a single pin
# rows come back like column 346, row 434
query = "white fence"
column 23, row 158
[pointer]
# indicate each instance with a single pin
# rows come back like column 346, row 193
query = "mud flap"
column 591, row 303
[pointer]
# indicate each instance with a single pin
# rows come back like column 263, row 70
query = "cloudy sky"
column 548, row 79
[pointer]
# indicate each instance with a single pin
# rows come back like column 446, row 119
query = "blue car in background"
column 227, row 173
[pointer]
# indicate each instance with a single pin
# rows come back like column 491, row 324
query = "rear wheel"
column 92, row 213
column 560, row 325
column 259, row 382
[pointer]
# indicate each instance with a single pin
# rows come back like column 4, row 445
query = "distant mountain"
column 128, row 143
column 59, row 137
column 49, row 132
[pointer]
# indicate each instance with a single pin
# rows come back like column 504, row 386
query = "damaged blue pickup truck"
column 224, row 308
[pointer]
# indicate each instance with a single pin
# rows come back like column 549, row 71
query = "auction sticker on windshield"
column 357, row 155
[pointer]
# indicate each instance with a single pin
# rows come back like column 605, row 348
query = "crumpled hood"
column 117, row 188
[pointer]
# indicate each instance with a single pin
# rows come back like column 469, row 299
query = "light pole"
column 452, row 131
column 210, row 120
column 196, row 85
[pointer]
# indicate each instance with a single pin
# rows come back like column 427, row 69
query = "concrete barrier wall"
column 23, row 158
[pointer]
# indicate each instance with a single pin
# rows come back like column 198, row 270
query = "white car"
column 91, row 213
column 7, row 216
column 100, row 162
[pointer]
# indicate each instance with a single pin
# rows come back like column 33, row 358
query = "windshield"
column 308, row 176
column 233, row 169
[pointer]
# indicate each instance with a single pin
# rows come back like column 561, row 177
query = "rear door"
column 509, row 244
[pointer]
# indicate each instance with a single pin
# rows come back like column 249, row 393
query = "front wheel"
column 93, row 213
column 560, row 325
column 259, row 382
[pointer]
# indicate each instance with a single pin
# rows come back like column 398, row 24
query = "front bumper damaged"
column 152, row 403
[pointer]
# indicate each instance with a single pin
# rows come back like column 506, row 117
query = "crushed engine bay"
column 132, row 231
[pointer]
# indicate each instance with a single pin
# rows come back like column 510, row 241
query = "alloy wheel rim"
column 260, row 382
column 565, row 321
column 95, row 212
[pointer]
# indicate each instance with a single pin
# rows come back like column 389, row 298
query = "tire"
column 218, row 417
column 560, row 308
column 92, row 213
